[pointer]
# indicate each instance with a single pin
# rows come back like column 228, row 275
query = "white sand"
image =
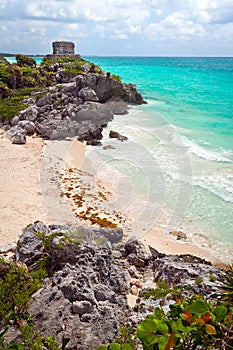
column 20, row 197
column 28, row 194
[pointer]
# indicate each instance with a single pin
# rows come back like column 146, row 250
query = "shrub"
column 25, row 61
column 16, row 288
column 228, row 285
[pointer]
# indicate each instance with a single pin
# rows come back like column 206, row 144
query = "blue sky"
column 119, row 27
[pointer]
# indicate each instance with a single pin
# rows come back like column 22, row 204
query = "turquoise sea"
column 175, row 172
column 178, row 160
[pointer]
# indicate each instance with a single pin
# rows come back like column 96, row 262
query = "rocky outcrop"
column 59, row 111
column 92, row 272
column 106, row 88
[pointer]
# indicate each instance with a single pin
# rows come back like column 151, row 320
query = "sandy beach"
column 21, row 202
column 54, row 182
column 98, row 197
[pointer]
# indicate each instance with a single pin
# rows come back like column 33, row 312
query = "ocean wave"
column 218, row 184
column 200, row 151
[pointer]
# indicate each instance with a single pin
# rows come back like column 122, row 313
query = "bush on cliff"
column 16, row 288
column 25, row 61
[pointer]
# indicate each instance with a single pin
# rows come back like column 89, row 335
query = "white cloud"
column 150, row 20
column 174, row 27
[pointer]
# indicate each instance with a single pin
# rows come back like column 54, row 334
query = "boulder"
column 29, row 113
column 15, row 120
column 92, row 136
column 17, row 135
column 94, row 142
column 117, row 106
column 106, row 87
column 116, row 135
column 69, row 89
column 95, row 112
column 48, row 99
column 88, row 94
column 28, row 126
column 137, row 253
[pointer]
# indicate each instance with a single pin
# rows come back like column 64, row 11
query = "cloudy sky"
column 119, row 27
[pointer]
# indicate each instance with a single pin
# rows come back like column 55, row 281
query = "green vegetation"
column 116, row 77
column 9, row 107
column 191, row 323
column 163, row 290
column 25, row 61
column 16, row 288
column 228, row 287
column 15, row 79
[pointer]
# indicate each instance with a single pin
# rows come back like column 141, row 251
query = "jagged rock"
column 106, row 87
column 29, row 248
column 29, row 113
column 116, row 135
column 92, row 136
column 137, row 253
column 29, row 101
column 186, row 270
column 94, row 142
column 88, row 94
column 86, row 296
column 28, row 126
column 97, row 113
column 84, row 301
column 69, row 89
column 45, row 100
column 117, row 105
column 15, row 120
column 82, row 307
column 17, row 135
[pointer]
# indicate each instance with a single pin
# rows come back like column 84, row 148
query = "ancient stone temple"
column 63, row 49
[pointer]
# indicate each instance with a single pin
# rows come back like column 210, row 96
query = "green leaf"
column 146, row 331
column 176, row 310
column 158, row 314
column 16, row 347
column 220, row 312
column 114, row 346
column 162, row 343
column 126, row 347
column 162, row 327
column 102, row 347
column 199, row 307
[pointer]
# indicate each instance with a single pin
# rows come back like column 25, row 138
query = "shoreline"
column 26, row 175
column 154, row 237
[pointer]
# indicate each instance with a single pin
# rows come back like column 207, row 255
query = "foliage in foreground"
column 228, row 287
column 191, row 323
column 16, row 288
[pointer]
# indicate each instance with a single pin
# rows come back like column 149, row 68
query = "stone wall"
column 63, row 48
